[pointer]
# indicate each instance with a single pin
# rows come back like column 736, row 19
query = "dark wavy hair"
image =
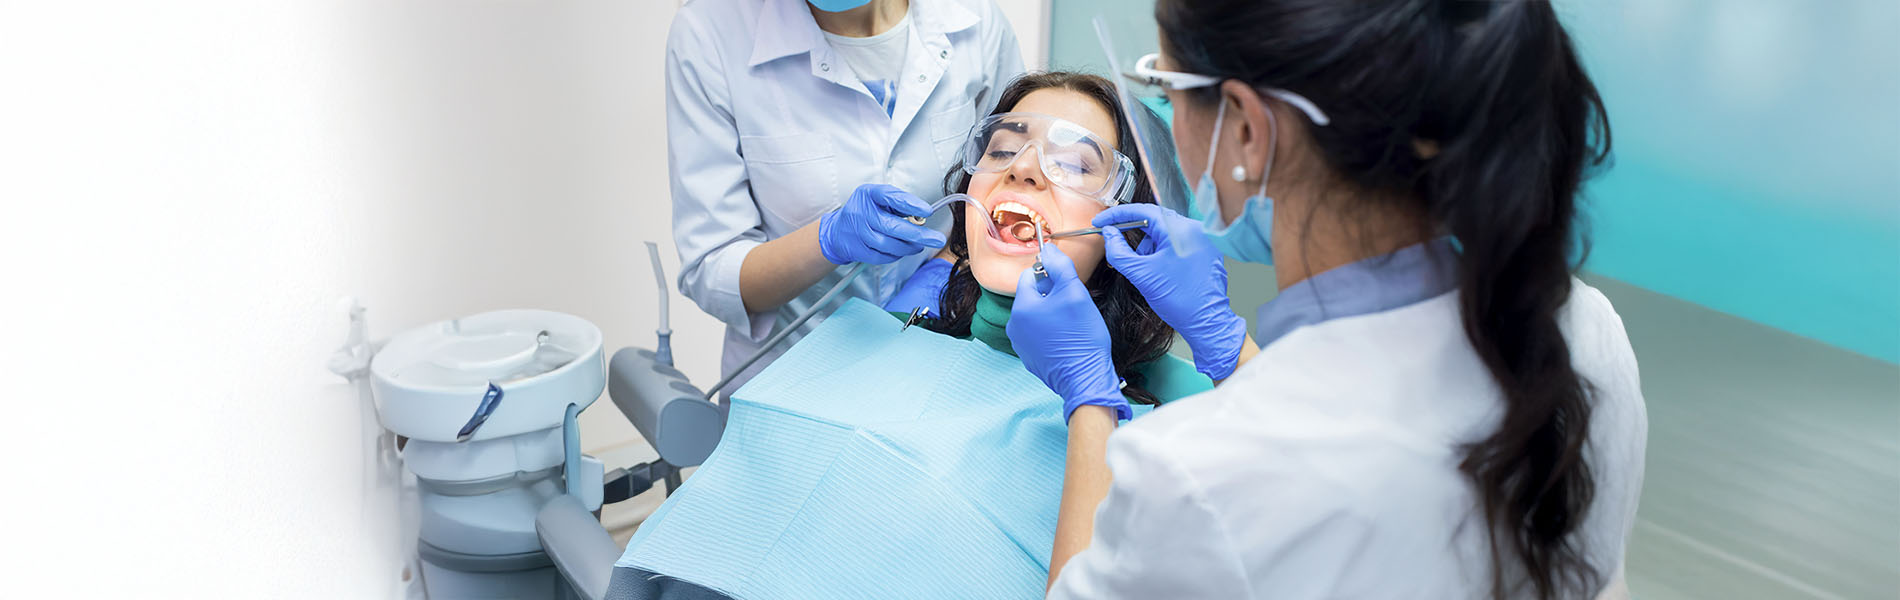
column 1137, row 334
column 1498, row 90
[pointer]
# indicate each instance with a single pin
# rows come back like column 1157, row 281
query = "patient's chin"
column 997, row 276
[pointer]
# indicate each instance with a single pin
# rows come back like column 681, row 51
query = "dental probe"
column 1088, row 231
column 1042, row 275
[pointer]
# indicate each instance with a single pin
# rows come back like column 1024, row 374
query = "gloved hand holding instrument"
column 1059, row 334
column 1184, row 280
column 872, row 227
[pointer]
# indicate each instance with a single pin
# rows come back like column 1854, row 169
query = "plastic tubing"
column 779, row 337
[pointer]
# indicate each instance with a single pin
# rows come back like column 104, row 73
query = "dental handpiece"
column 1042, row 275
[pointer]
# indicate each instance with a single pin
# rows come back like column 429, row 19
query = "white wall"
column 1030, row 18
column 178, row 202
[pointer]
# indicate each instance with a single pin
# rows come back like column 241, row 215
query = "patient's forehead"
column 1072, row 106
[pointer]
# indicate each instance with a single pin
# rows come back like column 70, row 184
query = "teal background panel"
column 1756, row 168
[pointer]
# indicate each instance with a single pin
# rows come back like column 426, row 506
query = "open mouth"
column 1018, row 224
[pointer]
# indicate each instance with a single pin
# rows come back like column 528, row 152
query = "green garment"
column 1169, row 378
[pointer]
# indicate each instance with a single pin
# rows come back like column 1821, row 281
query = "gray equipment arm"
column 679, row 420
column 670, row 413
column 578, row 545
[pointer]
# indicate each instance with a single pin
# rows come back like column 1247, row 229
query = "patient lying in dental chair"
column 878, row 461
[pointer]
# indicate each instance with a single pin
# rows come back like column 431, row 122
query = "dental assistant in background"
column 1439, row 409
column 796, row 135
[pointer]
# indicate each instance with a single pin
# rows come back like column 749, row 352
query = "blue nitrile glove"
column 870, row 227
column 1062, row 339
column 1187, row 288
column 924, row 288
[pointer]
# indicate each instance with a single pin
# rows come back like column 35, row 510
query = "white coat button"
column 943, row 54
column 826, row 67
column 920, row 79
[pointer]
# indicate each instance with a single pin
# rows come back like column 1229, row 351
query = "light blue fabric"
column 885, row 92
column 1247, row 237
column 1406, row 276
column 871, row 462
column 838, row 5
column 924, row 289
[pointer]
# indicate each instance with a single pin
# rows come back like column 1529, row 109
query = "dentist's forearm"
column 777, row 271
column 1084, row 483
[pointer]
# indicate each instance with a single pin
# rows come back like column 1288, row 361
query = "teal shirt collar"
column 990, row 324
column 1168, row 378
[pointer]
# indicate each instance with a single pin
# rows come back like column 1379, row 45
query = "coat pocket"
column 794, row 178
column 949, row 129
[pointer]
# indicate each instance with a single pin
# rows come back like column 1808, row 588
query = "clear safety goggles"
column 1069, row 155
column 1146, row 73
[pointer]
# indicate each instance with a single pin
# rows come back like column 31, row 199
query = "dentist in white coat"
column 799, row 134
column 1437, row 407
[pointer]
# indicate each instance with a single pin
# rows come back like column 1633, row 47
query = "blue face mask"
column 1247, row 237
column 838, row 5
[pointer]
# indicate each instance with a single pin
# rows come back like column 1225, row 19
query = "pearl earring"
column 1240, row 173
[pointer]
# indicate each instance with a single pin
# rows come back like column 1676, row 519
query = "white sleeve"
column 716, row 221
column 1155, row 534
column 1619, row 427
column 1188, row 522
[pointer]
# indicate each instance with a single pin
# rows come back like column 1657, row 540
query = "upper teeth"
column 1017, row 208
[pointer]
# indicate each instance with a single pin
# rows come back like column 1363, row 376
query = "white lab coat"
column 767, row 129
column 1327, row 467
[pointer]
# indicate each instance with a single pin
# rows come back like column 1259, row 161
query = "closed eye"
column 1074, row 163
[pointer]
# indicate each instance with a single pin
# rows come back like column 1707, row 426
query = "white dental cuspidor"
column 489, row 404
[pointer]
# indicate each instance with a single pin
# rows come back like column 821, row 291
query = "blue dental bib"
column 869, row 462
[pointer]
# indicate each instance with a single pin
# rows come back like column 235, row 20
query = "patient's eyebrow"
column 1091, row 142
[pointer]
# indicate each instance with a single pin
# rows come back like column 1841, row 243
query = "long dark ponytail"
column 1481, row 113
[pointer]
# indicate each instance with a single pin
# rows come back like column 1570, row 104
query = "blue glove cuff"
column 1109, row 398
column 1123, row 412
column 1216, row 355
column 825, row 225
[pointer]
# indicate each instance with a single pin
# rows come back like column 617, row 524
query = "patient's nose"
column 1026, row 169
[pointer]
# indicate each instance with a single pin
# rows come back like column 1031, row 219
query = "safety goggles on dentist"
column 1146, row 73
column 1069, row 155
